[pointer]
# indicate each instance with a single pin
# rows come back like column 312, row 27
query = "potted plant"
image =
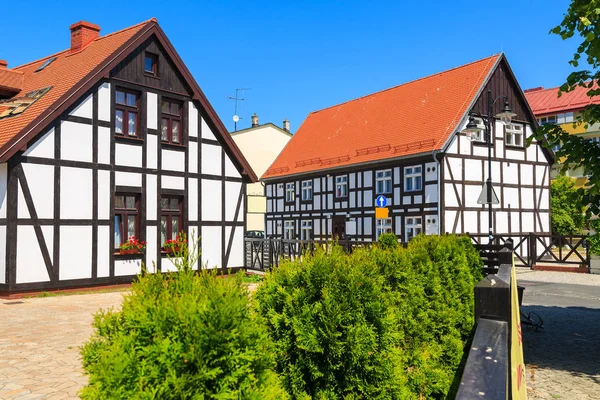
column 132, row 246
column 593, row 241
column 174, row 246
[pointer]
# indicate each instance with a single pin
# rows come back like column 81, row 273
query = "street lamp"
column 488, row 196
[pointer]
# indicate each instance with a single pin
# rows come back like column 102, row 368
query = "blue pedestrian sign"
column 381, row 201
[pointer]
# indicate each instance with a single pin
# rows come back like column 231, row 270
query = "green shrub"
column 382, row 322
column 388, row 240
column 181, row 336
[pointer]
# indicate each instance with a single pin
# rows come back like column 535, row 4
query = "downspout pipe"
column 435, row 155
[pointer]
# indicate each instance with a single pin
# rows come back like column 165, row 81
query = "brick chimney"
column 254, row 120
column 3, row 64
column 82, row 34
column 286, row 125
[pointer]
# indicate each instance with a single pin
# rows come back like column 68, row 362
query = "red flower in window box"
column 133, row 246
column 174, row 245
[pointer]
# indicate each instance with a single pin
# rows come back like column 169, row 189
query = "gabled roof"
column 71, row 74
column 413, row 118
column 546, row 101
column 266, row 125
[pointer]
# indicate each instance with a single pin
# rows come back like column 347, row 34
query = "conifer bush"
column 381, row 323
column 182, row 335
column 388, row 240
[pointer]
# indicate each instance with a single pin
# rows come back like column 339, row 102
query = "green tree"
column 581, row 20
column 567, row 208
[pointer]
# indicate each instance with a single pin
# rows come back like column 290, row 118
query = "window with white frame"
column 563, row 118
column 307, row 190
column 480, row 135
column 383, row 226
column 306, row 230
column 413, row 226
column 288, row 230
column 548, row 120
column 290, row 188
column 383, row 181
column 413, row 178
column 341, row 186
column 514, row 135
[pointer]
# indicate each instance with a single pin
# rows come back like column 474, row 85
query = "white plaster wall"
column 260, row 146
column 449, row 217
column 192, row 120
column 211, row 200
column 104, row 194
column 193, row 157
column 511, row 197
column 500, row 147
column 472, row 193
column 75, row 193
column 152, row 110
column 515, row 154
column 151, row 195
column 151, row 248
column 128, row 179
column 453, row 148
column 450, row 197
column 151, row 160
column 173, row 160
column 167, row 265
column 103, row 145
column 431, row 193
column 540, row 154
column 3, row 188
column 104, row 251
column 545, row 200
column 30, row 262
column 75, row 251
column 104, row 102
column 128, row 267
column 477, row 150
column 526, row 174
column 43, row 147
column 3, row 258
column 75, row 141
column 211, row 159
column 501, row 222
column 483, row 222
column 84, row 108
column 431, row 171
column 232, row 191
column 470, row 221
column 510, row 172
column 230, row 169
column 527, row 198
column 40, row 179
column 211, row 246
column 539, row 175
column 193, row 199
column 236, row 255
column 455, row 165
column 528, row 218
column 128, row 155
column 473, row 170
column 172, row 182
column 22, row 209
column 514, row 221
column 206, row 131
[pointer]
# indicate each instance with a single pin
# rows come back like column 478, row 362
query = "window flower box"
column 174, row 246
column 132, row 246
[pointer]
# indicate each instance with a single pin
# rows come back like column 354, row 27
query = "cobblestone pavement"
column 562, row 360
column 39, row 344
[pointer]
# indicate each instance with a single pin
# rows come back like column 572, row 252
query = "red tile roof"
column 546, row 101
column 62, row 74
column 415, row 117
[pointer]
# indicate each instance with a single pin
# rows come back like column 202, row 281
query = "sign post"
column 381, row 211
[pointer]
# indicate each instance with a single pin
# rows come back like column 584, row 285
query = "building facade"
column 408, row 144
column 260, row 144
column 116, row 140
column 564, row 111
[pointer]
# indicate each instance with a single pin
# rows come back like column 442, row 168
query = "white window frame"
column 341, row 186
column 306, row 230
column 414, row 175
column 307, row 193
column 413, row 226
column 385, row 178
column 382, row 226
column 564, row 118
column 512, row 132
column 290, row 192
column 289, row 229
column 478, row 137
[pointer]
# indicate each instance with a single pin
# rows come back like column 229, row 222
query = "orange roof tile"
column 62, row 74
column 415, row 117
column 546, row 101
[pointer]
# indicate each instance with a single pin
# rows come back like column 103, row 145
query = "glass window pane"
column 164, row 203
column 118, row 121
column 174, row 227
column 119, row 202
column 174, row 204
column 164, row 107
column 130, row 202
column 163, row 229
column 131, row 98
column 409, row 184
column 417, row 183
column 148, row 64
column 175, row 108
column 130, row 226
column 120, row 97
column 175, row 133
column 132, row 124
column 118, row 236
column 164, row 133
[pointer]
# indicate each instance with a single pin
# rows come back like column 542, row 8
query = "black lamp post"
column 472, row 128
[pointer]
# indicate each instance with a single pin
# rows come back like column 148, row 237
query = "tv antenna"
column 236, row 117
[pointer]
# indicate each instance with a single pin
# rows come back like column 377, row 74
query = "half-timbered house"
column 109, row 139
column 408, row 144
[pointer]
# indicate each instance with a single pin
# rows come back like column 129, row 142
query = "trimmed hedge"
column 381, row 323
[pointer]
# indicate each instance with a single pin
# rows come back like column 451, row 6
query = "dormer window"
column 151, row 64
column 17, row 105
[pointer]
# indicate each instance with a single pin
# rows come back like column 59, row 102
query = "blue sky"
column 301, row 56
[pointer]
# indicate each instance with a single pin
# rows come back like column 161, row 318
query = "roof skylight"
column 17, row 105
column 45, row 64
